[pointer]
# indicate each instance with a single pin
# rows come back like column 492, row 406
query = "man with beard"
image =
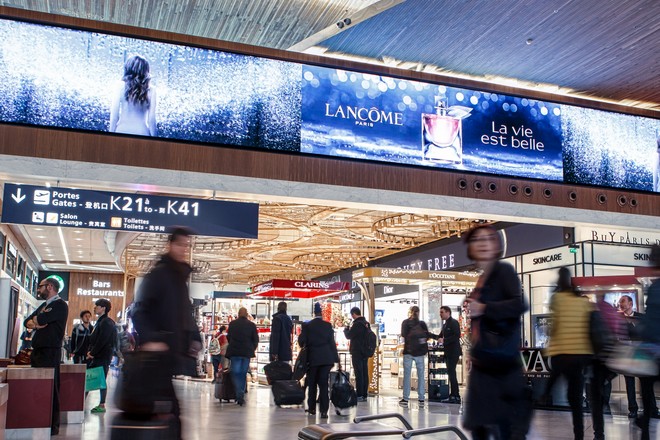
column 49, row 321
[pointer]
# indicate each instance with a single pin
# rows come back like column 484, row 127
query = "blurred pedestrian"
column 243, row 341
column 650, row 334
column 101, row 345
column 319, row 339
column 49, row 321
column 496, row 394
column 163, row 315
column 570, row 347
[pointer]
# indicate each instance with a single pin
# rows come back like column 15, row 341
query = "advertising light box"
column 58, row 77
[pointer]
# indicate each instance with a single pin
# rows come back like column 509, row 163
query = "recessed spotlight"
column 41, row 236
column 38, row 229
column 79, row 239
column 44, row 244
column 77, row 232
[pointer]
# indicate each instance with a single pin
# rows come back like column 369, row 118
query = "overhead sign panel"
column 194, row 94
column 77, row 208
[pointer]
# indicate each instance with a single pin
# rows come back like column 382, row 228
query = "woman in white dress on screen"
column 133, row 109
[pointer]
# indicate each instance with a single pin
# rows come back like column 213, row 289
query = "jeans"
column 216, row 360
column 361, row 369
column 407, row 373
column 239, row 369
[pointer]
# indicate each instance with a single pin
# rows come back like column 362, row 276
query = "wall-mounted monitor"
column 84, row 80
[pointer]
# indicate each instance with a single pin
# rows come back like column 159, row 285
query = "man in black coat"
column 450, row 338
column 280, row 335
column 357, row 334
column 243, row 341
column 319, row 338
column 633, row 319
column 49, row 321
column 101, row 345
column 163, row 315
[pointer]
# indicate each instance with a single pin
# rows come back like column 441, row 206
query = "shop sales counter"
column 29, row 402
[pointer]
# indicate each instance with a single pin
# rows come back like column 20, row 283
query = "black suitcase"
column 157, row 427
column 278, row 370
column 224, row 389
column 288, row 392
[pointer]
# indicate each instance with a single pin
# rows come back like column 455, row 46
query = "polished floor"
column 206, row 418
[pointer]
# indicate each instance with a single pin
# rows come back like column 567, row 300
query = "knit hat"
column 317, row 309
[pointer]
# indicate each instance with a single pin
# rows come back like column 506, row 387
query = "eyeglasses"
column 41, row 285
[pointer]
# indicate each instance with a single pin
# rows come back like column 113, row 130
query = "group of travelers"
column 498, row 401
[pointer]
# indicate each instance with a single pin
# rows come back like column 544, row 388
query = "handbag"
column 301, row 366
column 23, row 357
column 95, row 379
column 277, row 370
column 632, row 359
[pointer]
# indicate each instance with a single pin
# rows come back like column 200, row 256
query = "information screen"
column 58, row 77
column 75, row 208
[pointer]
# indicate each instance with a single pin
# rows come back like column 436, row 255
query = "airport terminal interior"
column 330, row 154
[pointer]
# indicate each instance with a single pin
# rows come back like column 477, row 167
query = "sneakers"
column 98, row 410
column 451, row 399
column 403, row 402
column 421, row 404
column 361, row 399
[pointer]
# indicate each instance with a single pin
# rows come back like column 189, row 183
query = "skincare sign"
column 75, row 79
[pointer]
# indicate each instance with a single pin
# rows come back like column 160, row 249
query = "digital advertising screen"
column 76, row 79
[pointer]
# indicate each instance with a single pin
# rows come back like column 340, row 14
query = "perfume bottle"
column 442, row 132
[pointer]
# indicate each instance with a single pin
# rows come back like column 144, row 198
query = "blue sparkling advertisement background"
column 57, row 77
column 328, row 129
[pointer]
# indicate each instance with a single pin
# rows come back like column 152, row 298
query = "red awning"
column 300, row 289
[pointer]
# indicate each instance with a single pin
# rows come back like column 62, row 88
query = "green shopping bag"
column 95, row 379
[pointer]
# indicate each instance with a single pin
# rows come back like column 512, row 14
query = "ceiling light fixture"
column 66, row 254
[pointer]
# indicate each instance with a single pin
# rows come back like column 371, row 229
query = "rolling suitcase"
column 224, row 389
column 278, row 370
column 288, row 392
column 157, row 427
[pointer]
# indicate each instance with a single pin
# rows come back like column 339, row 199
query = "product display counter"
column 29, row 407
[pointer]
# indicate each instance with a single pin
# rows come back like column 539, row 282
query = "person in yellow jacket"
column 569, row 347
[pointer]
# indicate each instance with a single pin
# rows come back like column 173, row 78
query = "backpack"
column 214, row 346
column 416, row 341
column 371, row 342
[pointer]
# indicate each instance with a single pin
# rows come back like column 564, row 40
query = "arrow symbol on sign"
column 18, row 197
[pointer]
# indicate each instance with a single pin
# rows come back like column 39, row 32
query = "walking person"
column 650, row 334
column 101, row 345
column 415, row 334
column 80, row 337
column 281, row 330
column 450, row 337
column 215, row 350
column 357, row 335
column 243, row 341
column 319, row 339
column 496, row 394
column 163, row 316
column 570, row 349
column 49, row 321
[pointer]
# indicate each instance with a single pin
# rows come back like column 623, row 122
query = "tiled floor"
column 205, row 418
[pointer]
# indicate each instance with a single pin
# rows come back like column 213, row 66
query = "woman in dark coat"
column 495, row 402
